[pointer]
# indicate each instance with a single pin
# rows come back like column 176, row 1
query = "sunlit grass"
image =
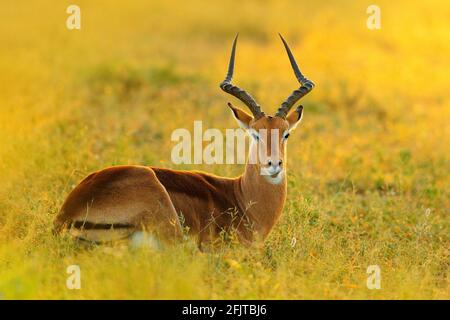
column 368, row 161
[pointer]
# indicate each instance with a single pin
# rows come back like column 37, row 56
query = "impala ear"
column 295, row 117
column 242, row 117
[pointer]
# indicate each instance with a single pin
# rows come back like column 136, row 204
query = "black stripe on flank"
column 86, row 225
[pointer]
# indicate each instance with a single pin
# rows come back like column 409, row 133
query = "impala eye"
column 286, row 135
column 255, row 135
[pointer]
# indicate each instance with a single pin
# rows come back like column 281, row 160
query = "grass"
column 368, row 167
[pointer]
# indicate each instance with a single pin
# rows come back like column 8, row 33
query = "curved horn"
column 242, row 95
column 306, row 85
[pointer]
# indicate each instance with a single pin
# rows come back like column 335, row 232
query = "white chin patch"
column 141, row 239
column 275, row 179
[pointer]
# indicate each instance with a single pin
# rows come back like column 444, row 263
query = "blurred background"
column 368, row 167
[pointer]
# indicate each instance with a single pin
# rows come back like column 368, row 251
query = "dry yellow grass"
column 369, row 159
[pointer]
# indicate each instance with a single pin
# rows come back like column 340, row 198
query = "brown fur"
column 113, row 203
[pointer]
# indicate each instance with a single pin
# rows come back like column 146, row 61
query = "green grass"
column 368, row 180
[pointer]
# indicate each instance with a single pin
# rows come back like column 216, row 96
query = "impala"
column 129, row 201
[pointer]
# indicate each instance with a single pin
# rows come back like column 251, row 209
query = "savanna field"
column 368, row 178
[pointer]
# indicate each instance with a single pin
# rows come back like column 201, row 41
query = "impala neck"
column 261, row 200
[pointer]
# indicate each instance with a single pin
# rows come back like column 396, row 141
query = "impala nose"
column 274, row 167
column 271, row 163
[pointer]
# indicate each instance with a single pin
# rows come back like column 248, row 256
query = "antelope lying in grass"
column 126, row 201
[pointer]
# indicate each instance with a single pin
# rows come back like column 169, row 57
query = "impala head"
column 269, row 133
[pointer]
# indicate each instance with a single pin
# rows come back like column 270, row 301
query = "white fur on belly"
column 141, row 239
